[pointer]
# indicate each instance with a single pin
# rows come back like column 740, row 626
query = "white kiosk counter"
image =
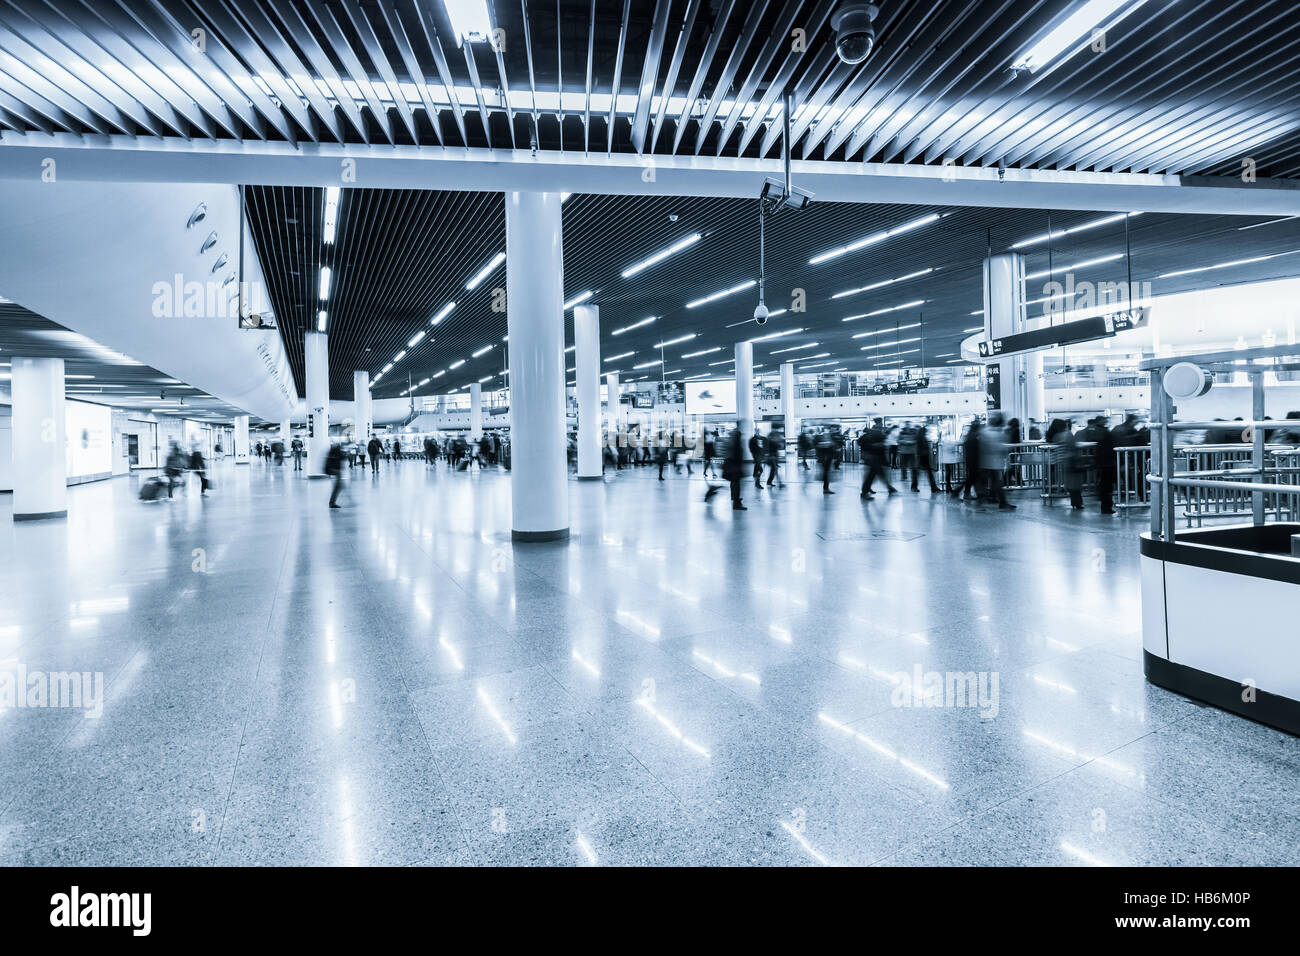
column 1221, row 605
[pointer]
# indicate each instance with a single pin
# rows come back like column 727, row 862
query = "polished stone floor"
column 396, row 683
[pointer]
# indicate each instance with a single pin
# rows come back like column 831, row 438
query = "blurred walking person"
column 334, row 469
column 994, row 453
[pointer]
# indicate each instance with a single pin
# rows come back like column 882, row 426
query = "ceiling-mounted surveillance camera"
column 774, row 195
column 760, row 313
column 855, row 31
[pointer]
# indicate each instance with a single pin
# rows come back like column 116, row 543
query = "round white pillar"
column 316, row 352
column 362, row 416
column 475, row 412
column 586, row 341
column 286, row 433
column 40, row 472
column 745, row 393
column 613, row 410
column 241, row 440
column 535, row 302
column 787, row 402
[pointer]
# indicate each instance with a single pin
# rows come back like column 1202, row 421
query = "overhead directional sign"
column 1067, row 333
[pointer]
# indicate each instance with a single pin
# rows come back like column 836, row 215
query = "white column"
column 745, row 393
column 241, row 440
column 586, row 341
column 613, row 409
column 787, row 401
column 40, row 454
column 475, row 412
column 286, row 433
column 316, row 351
column 535, row 302
column 1019, row 390
column 362, row 416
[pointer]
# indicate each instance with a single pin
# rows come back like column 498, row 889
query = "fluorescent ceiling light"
column 423, row 382
column 1254, row 225
column 484, row 379
column 881, row 285
column 978, row 312
column 415, row 339
column 795, row 348
column 1093, row 224
column 725, row 292
column 724, row 362
column 440, row 374
column 1227, row 265
column 896, row 328
column 442, row 313
column 78, row 376
column 578, row 299
column 634, row 325
column 895, row 308
column 815, row 365
column 455, row 365
column 331, row 212
column 873, row 239
column 716, row 348
column 483, row 351
column 889, row 345
column 676, row 341
column 1071, row 34
column 486, row 271
column 385, row 369
column 324, row 283
column 1073, row 267
column 647, row 364
column 621, row 355
column 321, row 320
column 661, row 255
column 776, row 335
column 773, row 315
column 469, row 19
column 978, row 328
column 399, row 356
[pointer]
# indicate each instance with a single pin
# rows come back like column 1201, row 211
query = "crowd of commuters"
column 983, row 453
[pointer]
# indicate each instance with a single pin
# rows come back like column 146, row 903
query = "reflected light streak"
column 724, row 670
column 586, row 849
column 585, row 664
column 882, row 750
column 496, row 715
column 1081, row 854
column 451, row 652
column 672, row 728
column 789, row 828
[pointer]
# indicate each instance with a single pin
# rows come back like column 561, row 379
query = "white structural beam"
column 125, row 159
column 120, row 264
column 586, row 341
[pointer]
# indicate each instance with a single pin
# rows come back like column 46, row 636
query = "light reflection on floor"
column 397, row 682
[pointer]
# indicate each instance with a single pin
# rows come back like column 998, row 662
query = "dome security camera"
column 760, row 314
column 855, row 31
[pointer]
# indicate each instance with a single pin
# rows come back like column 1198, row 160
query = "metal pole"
column 1257, row 444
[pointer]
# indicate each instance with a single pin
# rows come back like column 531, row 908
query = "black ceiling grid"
column 402, row 254
column 1183, row 86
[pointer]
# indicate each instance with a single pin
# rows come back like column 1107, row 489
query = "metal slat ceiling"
column 401, row 255
column 1183, row 86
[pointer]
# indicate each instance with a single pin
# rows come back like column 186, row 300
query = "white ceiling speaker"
column 1187, row 380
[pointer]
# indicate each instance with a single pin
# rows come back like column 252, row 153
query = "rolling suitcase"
column 152, row 489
